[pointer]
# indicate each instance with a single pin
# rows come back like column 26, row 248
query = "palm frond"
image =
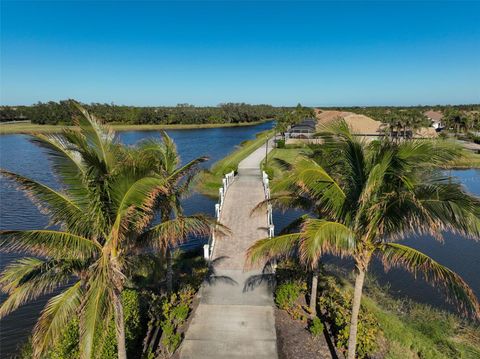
column 175, row 231
column 98, row 136
column 96, row 311
column 319, row 236
column 416, row 262
column 135, row 204
column 315, row 181
column 50, row 243
column 29, row 278
column 58, row 312
column 67, row 163
column 270, row 248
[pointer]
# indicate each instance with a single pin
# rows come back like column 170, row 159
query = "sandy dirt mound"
column 360, row 124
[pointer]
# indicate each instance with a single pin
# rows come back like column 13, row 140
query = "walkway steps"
column 230, row 321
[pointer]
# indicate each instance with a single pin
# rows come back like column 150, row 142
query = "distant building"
column 436, row 117
column 304, row 129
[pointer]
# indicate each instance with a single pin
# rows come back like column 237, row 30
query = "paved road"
column 229, row 321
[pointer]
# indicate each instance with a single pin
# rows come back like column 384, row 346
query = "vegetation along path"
column 231, row 322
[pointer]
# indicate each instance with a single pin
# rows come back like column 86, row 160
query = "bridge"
column 231, row 322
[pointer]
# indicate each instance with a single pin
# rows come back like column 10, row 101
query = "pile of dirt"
column 360, row 124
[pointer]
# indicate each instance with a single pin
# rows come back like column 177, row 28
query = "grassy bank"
column 31, row 127
column 413, row 330
column 210, row 182
column 471, row 160
column 288, row 154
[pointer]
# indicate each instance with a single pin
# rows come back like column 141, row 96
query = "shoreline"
column 29, row 128
column 211, row 180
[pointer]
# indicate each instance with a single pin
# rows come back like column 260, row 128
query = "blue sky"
column 282, row 53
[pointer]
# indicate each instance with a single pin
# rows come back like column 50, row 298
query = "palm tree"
column 291, row 194
column 162, row 158
column 101, row 218
column 374, row 194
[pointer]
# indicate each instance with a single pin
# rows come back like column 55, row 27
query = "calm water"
column 19, row 155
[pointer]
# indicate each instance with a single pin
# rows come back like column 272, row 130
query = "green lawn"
column 211, row 181
column 471, row 160
column 286, row 154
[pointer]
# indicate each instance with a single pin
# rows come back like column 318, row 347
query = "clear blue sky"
column 282, row 53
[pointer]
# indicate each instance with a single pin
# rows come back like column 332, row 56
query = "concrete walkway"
column 230, row 322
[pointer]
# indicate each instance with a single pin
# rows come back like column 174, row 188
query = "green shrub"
column 287, row 294
column 67, row 347
column 316, row 327
column 133, row 327
column 175, row 310
column 170, row 338
column 26, row 351
column 336, row 303
column 281, row 144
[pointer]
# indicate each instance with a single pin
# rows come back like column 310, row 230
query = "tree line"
column 61, row 113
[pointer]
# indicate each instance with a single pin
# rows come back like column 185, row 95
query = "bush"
column 170, row 338
column 316, row 327
column 336, row 303
column 281, row 144
column 67, row 347
column 133, row 327
column 287, row 294
column 175, row 310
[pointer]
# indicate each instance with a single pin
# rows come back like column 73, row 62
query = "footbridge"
column 231, row 322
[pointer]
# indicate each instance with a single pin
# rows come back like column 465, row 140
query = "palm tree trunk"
column 357, row 297
column 313, row 293
column 119, row 325
column 169, row 271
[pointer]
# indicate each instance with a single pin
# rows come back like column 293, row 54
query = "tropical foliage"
column 362, row 198
column 102, row 219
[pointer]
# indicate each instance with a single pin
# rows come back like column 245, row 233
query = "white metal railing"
column 266, row 190
column 222, row 191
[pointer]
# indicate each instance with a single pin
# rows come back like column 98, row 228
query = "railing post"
column 271, row 230
column 224, row 182
column 206, row 251
column 217, row 211
column 220, row 191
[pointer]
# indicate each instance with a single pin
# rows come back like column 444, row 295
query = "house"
column 304, row 129
column 436, row 117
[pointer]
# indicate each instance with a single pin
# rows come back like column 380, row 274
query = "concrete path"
column 229, row 321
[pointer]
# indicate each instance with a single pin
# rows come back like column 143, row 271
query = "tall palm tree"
column 373, row 194
column 100, row 218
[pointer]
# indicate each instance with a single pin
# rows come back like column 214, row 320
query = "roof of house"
column 308, row 124
column 434, row 115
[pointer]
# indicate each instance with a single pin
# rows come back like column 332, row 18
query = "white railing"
column 266, row 190
column 222, row 191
